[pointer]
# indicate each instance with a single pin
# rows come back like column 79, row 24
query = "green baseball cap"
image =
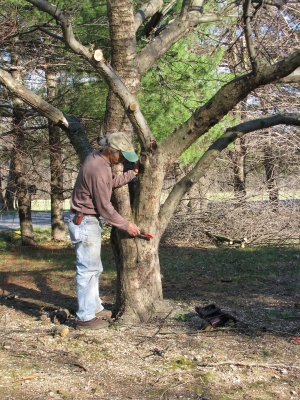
column 120, row 141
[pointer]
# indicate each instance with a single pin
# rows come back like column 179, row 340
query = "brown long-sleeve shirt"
column 93, row 189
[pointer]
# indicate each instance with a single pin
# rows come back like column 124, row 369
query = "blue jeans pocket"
column 75, row 232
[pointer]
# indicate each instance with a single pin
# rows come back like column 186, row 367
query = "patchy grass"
column 169, row 357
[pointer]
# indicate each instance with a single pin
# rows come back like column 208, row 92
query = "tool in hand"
column 145, row 235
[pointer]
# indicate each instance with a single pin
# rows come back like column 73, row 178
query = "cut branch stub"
column 98, row 55
column 133, row 107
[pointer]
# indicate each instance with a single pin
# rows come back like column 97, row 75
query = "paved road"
column 39, row 219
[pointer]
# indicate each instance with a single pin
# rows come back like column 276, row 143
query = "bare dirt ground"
column 170, row 357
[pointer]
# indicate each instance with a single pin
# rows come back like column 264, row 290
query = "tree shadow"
column 33, row 290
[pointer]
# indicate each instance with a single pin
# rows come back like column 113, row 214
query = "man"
column 91, row 198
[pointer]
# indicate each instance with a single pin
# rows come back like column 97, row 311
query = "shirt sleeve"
column 122, row 179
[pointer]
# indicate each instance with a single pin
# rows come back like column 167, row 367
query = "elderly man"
column 91, row 198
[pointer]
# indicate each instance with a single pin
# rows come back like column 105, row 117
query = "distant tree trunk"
column 23, row 196
column 55, row 152
column 1, row 192
column 270, row 170
column 10, row 192
column 238, row 157
column 198, row 195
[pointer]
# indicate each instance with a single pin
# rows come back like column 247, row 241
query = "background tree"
column 139, row 291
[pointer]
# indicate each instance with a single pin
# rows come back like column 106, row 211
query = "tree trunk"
column 10, row 192
column 1, row 191
column 139, row 291
column 23, row 196
column 55, row 152
column 198, row 195
column 238, row 156
column 270, row 177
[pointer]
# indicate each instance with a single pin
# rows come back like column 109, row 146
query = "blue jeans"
column 86, row 239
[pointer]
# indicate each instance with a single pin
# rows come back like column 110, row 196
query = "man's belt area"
column 79, row 216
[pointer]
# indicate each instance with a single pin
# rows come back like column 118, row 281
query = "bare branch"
column 147, row 11
column 49, row 33
column 248, row 36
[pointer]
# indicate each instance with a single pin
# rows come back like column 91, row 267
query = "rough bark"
column 23, row 196
column 10, row 192
column 238, row 158
column 139, row 292
column 56, row 168
column 270, row 170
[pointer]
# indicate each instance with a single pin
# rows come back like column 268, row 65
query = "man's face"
column 117, row 157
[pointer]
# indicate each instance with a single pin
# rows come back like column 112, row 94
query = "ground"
column 170, row 357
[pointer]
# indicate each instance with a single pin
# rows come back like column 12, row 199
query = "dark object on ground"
column 214, row 316
column 208, row 311
column 59, row 316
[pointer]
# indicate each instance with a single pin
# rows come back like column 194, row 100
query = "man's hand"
column 136, row 168
column 133, row 230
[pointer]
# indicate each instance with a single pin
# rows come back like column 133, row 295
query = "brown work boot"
column 94, row 323
column 103, row 314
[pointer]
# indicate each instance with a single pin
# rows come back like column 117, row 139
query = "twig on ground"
column 244, row 364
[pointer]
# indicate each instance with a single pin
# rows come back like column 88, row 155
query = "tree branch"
column 146, row 11
column 173, row 32
column 69, row 124
column 202, row 166
column 221, row 103
column 49, row 33
column 248, row 35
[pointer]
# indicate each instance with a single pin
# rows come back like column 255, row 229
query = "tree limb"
column 146, row 11
column 173, row 32
column 69, row 124
column 229, row 136
column 49, row 33
column 221, row 103
column 248, row 35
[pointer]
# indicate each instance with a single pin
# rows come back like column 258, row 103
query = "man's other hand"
column 136, row 168
column 133, row 230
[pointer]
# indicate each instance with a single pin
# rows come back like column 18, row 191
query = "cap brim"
column 130, row 156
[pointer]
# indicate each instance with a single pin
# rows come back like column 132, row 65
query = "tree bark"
column 238, row 158
column 23, row 196
column 270, row 170
column 139, row 290
column 10, row 192
column 56, row 168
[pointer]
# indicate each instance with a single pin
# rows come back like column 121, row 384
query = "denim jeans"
column 86, row 239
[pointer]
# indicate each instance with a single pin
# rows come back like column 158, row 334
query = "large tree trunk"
column 23, row 196
column 139, row 291
column 57, row 210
